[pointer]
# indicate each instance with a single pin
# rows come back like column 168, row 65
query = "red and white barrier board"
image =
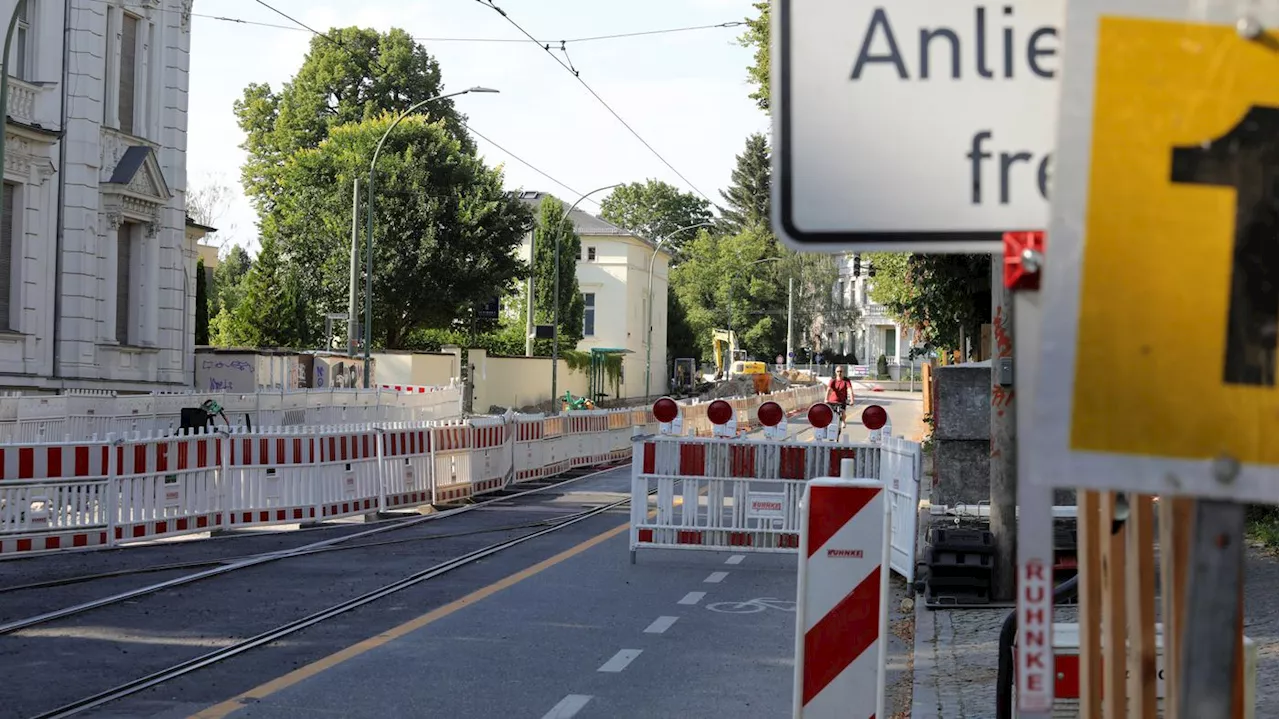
column 842, row 618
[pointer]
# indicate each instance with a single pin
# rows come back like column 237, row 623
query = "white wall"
column 158, row 353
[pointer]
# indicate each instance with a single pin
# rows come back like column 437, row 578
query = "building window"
column 6, row 259
column 124, row 281
column 890, row 342
column 22, row 37
column 591, row 254
column 128, row 71
column 588, row 314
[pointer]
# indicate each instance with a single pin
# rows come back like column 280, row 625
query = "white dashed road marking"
column 735, row 559
column 692, row 598
column 660, row 625
column 715, row 577
column 620, row 661
column 568, row 707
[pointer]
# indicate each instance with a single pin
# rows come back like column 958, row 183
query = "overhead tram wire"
column 514, row 156
column 572, row 71
column 590, row 38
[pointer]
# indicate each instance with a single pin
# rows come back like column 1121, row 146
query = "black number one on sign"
column 1244, row 159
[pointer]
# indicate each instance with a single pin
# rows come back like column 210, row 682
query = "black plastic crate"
column 968, row 541
column 946, row 596
column 941, row 559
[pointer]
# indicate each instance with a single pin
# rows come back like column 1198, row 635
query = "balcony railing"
column 22, row 101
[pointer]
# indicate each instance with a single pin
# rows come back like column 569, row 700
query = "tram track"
column 282, row 631
column 226, row 565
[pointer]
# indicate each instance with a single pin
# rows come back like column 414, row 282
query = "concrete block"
column 963, row 472
column 964, row 403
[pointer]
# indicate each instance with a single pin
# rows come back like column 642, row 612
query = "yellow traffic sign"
column 1161, row 261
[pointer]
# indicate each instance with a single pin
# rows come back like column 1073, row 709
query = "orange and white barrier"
column 842, row 599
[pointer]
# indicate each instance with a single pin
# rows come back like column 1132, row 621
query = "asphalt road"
column 50, row 665
column 544, row 625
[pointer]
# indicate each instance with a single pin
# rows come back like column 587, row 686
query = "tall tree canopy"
column 654, row 209
column 938, row 295
column 757, row 38
column 349, row 75
column 445, row 231
column 553, row 221
column 748, row 194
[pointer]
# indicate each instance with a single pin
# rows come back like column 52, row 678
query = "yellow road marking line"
column 263, row 691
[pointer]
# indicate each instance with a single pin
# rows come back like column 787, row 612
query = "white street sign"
column 1158, row 361
column 917, row 125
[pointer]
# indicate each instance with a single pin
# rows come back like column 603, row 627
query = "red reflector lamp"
column 820, row 415
column 874, row 417
column 720, row 412
column 665, row 410
column 770, row 414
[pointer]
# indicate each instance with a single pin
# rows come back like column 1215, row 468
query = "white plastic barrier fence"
column 900, row 464
column 80, row 415
column 738, row 494
column 842, row 599
column 97, row 492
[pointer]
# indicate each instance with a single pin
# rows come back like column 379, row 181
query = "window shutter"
column 124, row 280
column 128, row 68
column 6, row 259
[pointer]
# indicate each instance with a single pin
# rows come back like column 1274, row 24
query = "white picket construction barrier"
column 406, row 465
column 79, row 415
column 842, row 594
column 742, row 495
column 900, row 463
column 155, row 483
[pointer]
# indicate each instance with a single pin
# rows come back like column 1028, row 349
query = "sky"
column 685, row 93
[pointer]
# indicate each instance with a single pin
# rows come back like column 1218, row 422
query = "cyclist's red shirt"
column 840, row 391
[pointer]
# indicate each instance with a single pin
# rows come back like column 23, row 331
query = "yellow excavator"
column 732, row 362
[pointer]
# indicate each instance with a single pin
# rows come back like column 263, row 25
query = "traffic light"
column 871, row 270
column 857, row 265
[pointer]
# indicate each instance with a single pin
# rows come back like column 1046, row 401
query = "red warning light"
column 770, row 414
column 820, row 415
column 720, row 412
column 665, row 410
column 874, row 417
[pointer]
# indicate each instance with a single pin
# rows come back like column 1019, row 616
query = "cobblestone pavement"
column 955, row 650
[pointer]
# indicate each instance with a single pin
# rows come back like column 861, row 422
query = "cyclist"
column 840, row 395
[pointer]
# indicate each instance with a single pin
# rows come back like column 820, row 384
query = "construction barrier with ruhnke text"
column 97, row 493
column 743, row 495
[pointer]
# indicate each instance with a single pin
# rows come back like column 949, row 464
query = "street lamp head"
column 477, row 88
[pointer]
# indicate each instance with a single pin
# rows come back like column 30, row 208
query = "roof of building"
column 198, row 226
column 583, row 222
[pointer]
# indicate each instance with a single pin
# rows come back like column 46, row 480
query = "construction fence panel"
column 53, row 496
column 735, row 494
column 528, row 454
column 451, row 461
column 900, row 472
column 406, row 467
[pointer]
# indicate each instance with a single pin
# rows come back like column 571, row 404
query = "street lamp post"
column 368, row 269
column 555, row 316
column 648, row 338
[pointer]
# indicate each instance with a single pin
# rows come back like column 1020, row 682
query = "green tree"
column 747, row 198
column 445, row 231
column 272, row 313
column 940, row 296
column 757, row 38
column 227, row 291
column 552, row 222
column 654, row 209
column 202, row 305
column 349, row 75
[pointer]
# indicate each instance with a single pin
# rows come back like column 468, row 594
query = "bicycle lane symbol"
column 753, row 606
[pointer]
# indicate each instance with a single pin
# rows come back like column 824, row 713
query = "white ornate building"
column 874, row 332
column 97, row 262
